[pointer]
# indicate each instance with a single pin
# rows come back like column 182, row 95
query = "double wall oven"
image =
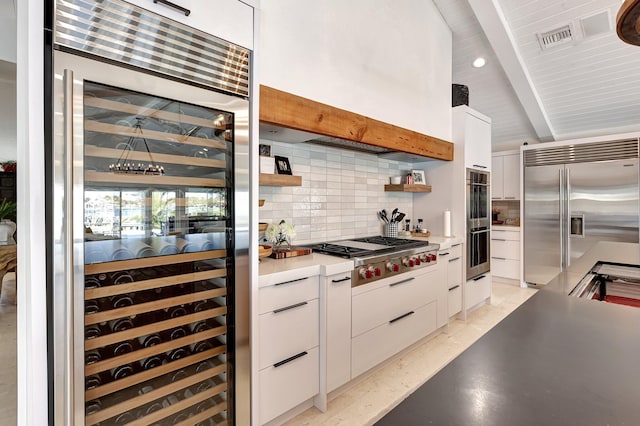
column 478, row 223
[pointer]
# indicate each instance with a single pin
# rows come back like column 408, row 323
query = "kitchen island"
column 556, row 360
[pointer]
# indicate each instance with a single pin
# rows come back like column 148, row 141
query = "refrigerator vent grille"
column 124, row 33
column 582, row 153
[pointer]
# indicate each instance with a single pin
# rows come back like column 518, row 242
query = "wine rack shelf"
column 114, row 154
column 153, row 180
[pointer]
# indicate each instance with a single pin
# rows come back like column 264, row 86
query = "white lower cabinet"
column 385, row 340
column 453, row 259
column 477, row 290
column 288, row 353
column 391, row 314
column 338, row 329
column 505, row 253
column 283, row 386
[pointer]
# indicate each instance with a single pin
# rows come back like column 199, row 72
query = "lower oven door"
column 478, row 252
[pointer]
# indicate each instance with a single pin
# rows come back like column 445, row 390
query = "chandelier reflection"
column 125, row 166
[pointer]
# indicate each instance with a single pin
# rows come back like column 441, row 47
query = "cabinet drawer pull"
column 454, row 259
column 286, row 308
column 401, row 316
column 479, row 278
column 292, row 281
column 509, row 198
column 341, row 280
column 499, row 258
column 293, row 358
column 184, row 10
column 497, row 239
column 456, row 245
column 479, row 166
column 444, row 254
column 401, row 282
column 454, row 287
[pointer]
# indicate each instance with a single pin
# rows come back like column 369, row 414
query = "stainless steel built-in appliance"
column 478, row 223
column 150, row 219
column 611, row 283
column 575, row 196
column 376, row 258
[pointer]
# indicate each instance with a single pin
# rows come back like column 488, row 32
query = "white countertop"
column 506, row 227
column 273, row 271
column 445, row 242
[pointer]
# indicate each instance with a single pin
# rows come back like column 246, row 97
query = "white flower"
column 280, row 233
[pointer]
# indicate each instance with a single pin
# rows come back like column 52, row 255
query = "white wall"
column 340, row 194
column 7, row 120
column 385, row 59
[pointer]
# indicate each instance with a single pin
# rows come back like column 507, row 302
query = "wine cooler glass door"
column 150, row 240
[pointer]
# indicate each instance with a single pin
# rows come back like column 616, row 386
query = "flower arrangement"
column 280, row 234
column 8, row 166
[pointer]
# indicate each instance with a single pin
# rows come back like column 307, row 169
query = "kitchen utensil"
column 384, row 216
column 399, row 217
column 380, row 217
column 394, row 213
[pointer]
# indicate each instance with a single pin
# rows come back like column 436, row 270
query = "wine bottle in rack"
column 148, row 409
column 201, row 346
column 92, row 331
column 121, row 348
column 92, row 282
column 176, row 311
column 120, row 324
column 177, row 354
column 92, row 407
column 151, row 362
column 124, row 418
column 92, row 306
column 120, row 301
column 202, row 305
column 93, row 381
column 121, row 371
column 197, row 327
column 121, row 277
column 174, row 333
column 92, row 356
column 150, row 340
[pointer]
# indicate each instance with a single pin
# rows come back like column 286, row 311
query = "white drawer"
column 287, row 293
column 453, row 252
column 288, row 332
column 505, row 249
column 455, row 300
column 454, row 272
column 284, row 387
column 374, row 346
column 477, row 290
column 505, row 268
column 400, row 295
column 500, row 234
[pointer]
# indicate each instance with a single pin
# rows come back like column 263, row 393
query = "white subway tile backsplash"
column 340, row 194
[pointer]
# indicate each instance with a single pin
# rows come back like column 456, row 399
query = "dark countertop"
column 555, row 360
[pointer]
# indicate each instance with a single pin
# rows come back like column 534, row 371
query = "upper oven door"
column 478, row 199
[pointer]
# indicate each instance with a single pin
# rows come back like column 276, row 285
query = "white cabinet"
column 231, row 20
column 505, row 252
column 391, row 314
column 288, row 348
column 505, row 177
column 477, row 291
column 473, row 130
column 452, row 261
column 338, row 329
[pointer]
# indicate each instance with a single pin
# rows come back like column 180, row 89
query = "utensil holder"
column 391, row 230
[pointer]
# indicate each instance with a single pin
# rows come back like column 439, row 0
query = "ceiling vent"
column 555, row 37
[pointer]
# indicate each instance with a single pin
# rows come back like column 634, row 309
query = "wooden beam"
column 284, row 109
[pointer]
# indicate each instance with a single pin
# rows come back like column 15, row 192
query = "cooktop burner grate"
column 355, row 247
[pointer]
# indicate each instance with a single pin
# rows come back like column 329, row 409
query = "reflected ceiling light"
column 479, row 62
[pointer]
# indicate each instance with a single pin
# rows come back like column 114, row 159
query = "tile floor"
column 372, row 398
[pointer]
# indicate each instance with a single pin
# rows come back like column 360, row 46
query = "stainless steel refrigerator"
column 149, row 220
column 575, row 196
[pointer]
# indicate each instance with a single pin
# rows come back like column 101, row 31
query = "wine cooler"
column 150, row 221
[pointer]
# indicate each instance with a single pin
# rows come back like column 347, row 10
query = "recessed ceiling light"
column 479, row 62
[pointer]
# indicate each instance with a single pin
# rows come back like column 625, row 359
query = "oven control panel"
column 374, row 271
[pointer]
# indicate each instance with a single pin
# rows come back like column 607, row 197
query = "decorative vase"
column 7, row 229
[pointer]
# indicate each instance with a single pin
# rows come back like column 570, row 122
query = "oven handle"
column 479, row 232
column 184, row 10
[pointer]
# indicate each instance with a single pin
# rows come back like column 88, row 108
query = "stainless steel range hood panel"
column 283, row 134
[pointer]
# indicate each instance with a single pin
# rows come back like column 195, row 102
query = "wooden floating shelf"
column 407, row 187
column 280, row 180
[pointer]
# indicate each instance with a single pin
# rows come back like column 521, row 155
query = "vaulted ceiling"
column 587, row 85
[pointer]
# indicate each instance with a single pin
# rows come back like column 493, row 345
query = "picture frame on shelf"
column 283, row 167
column 264, row 150
column 418, row 177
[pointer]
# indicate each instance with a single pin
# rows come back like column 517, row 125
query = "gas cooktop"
column 367, row 246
